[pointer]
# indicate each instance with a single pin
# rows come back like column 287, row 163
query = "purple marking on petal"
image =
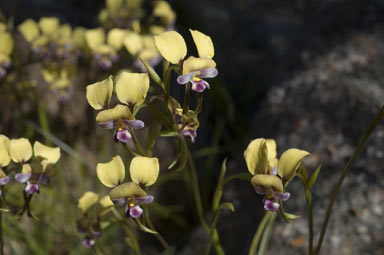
column 107, row 124
column 208, row 73
column 261, row 190
column 271, row 206
column 31, row 188
column 145, row 200
column 3, row 73
column 119, row 201
column 23, row 177
column 135, row 211
column 123, row 135
column 44, row 179
column 200, row 86
column 105, row 64
column 4, row 180
column 191, row 133
column 185, row 78
column 283, row 196
column 127, row 211
column 136, row 124
column 88, row 242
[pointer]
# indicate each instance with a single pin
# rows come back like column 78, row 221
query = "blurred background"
column 307, row 73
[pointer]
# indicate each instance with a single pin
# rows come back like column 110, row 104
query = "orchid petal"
column 171, row 46
column 5, row 158
column 144, row 170
column 289, row 162
column 29, row 29
column 88, row 199
column 145, row 200
column 192, row 64
column 268, row 182
column 135, row 211
column 49, row 154
column 127, row 190
column 185, row 78
column 117, row 113
column 112, row 173
column 136, row 124
column 123, row 135
column 203, row 44
column 99, row 94
column 132, row 88
column 256, row 156
column 208, row 73
column 20, row 150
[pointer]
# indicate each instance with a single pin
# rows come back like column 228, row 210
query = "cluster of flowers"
column 59, row 47
column 34, row 170
column 271, row 175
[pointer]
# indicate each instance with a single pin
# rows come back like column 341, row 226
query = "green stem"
column 267, row 235
column 199, row 103
column 136, row 142
column 259, row 232
column 129, row 150
column 187, row 97
column 158, row 236
column 159, row 115
column 195, row 188
column 135, row 244
column 310, row 222
column 372, row 126
column 43, row 120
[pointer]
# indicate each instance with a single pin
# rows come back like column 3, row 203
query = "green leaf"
column 153, row 134
column 4, row 210
column 240, row 176
column 137, row 108
column 290, row 217
column 152, row 73
column 105, row 224
column 313, row 178
column 168, row 133
column 227, row 205
column 220, row 186
column 144, row 228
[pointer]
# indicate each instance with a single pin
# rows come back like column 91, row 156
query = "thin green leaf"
column 138, row 108
column 154, row 76
column 169, row 133
column 227, row 205
column 153, row 134
column 144, row 228
column 313, row 178
column 240, row 176
column 291, row 217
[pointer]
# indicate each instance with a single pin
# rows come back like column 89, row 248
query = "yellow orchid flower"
column 112, row 173
column 49, row 25
column 132, row 88
column 171, row 46
column 5, row 158
column 163, row 10
column 270, row 174
column 115, row 38
column 133, row 43
column 144, row 170
column 29, row 29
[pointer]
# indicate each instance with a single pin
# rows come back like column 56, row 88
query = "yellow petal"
column 195, row 64
column 203, row 44
column 49, row 25
column 163, row 10
column 105, row 50
column 49, row 154
column 111, row 174
column 3, row 27
column 271, row 146
column 99, row 94
column 29, row 29
column 156, row 30
column 127, row 190
column 78, row 37
column 106, row 205
column 289, row 162
column 63, row 34
column 26, row 169
column 132, row 88
column 115, row 38
column 88, row 199
column 95, row 37
column 103, row 16
column 256, row 157
column 117, row 113
column 267, row 181
column 133, row 43
column 6, row 45
column 144, row 170
column 4, row 151
column 148, row 54
column 20, row 150
column 171, row 46
column 2, row 173
column 114, row 5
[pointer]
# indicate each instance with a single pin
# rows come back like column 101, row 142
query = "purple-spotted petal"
column 261, row 190
column 122, row 135
column 191, row 133
column 4, row 180
column 185, row 78
column 145, row 200
column 135, row 211
column 96, row 234
column 208, row 73
column 107, row 124
column 88, row 242
column 282, row 196
column 271, row 206
column 31, row 188
column 136, row 124
column 119, row 201
column 200, row 86
column 23, row 177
